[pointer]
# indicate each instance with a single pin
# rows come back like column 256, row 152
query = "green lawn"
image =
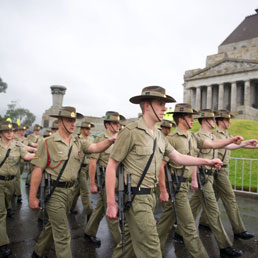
column 249, row 130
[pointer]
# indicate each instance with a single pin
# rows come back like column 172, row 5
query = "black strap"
column 128, row 204
column 59, row 176
column 5, row 158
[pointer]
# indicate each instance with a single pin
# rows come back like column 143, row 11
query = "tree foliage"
column 25, row 116
column 3, row 85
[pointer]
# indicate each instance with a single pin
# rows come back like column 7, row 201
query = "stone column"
column 209, row 96
column 233, row 98
column 198, row 98
column 247, row 94
column 221, row 96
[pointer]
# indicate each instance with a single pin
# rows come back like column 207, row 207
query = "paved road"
column 23, row 229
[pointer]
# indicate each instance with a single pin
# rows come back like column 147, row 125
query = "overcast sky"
column 106, row 51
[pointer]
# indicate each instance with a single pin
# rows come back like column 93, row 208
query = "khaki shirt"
column 102, row 157
column 58, row 153
column 12, row 163
column 85, row 159
column 181, row 143
column 207, row 153
column 34, row 138
column 134, row 146
column 221, row 152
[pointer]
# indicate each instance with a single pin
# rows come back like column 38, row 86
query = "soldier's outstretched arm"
column 164, row 196
column 193, row 161
column 92, row 173
column 112, row 208
column 221, row 143
column 34, row 186
column 101, row 146
column 248, row 144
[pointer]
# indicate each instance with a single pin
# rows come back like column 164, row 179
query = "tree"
column 25, row 116
column 3, row 85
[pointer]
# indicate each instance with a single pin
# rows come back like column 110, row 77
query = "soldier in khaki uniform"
column 20, row 132
column 186, row 143
column 54, row 126
column 112, row 125
column 135, row 144
column 53, row 152
column 82, row 188
column 166, row 126
column 206, row 198
column 10, row 154
column 223, row 188
column 33, row 140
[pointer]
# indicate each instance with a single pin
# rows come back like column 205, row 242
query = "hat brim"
column 138, row 99
column 193, row 113
column 78, row 116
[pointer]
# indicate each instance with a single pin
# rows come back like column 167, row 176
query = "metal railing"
column 243, row 175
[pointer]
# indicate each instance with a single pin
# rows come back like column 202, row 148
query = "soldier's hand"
column 237, row 139
column 34, row 203
column 194, row 185
column 164, row 196
column 112, row 211
column 217, row 163
column 113, row 139
column 93, row 188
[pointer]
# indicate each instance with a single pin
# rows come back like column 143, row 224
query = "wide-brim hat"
column 223, row 114
column 152, row 92
column 22, row 127
column 183, row 108
column 122, row 120
column 37, row 127
column 68, row 112
column 86, row 125
column 206, row 113
column 112, row 116
column 54, row 124
column 6, row 126
column 167, row 124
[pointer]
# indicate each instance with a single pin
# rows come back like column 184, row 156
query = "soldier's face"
column 226, row 123
column 115, row 127
column 86, row 131
column 159, row 107
column 7, row 135
column 165, row 130
column 212, row 122
column 69, row 124
column 189, row 119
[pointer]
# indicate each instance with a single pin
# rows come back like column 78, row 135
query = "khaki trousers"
column 96, row 217
column 141, row 236
column 57, row 229
column 211, row 211
column 186, row 223
column 223, row 190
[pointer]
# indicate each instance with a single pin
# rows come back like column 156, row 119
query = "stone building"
column 230, row 78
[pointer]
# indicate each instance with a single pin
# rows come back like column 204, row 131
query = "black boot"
column 230, row 252
column 10, row 213
column 34, row 255
column 73, row 212
column 5, row 251
column 92, row 239
column 19, row 199
column 179, row 239
column 244, row 235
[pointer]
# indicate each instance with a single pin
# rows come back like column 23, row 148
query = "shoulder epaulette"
column 132, row 125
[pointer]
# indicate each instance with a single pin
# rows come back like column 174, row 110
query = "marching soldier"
column 112, row 125
column 33, row 140
column 59, row 156
column 223, row 188
column 82, row 188
column 205, row 197
column 140, row 147
column 54, row 127
column 166, row 126
column 10, row 154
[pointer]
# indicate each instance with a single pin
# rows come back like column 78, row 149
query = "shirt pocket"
column 161, row 147
column 144, row 150
column 57, row 159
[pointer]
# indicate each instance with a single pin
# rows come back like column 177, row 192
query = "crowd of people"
column 66, row 166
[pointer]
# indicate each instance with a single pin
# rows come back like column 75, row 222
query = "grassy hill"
column 248, row 130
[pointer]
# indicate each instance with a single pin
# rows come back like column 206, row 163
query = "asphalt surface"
column 23, row 229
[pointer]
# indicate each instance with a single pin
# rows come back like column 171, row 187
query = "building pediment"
column 223, row 67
